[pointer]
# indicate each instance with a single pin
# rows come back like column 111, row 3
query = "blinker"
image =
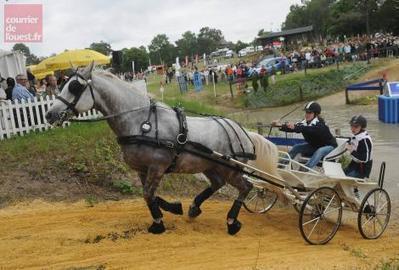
column 76, row 88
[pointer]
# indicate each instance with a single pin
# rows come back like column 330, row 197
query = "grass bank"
column 298, row 87
column 81, row 161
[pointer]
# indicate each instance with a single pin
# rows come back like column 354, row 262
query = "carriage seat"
column 333, row 169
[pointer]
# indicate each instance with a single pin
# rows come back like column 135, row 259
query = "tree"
column 346, row 19
column 101, row 47
column 138, row 55
column 22, row 48
column 143, row 48
column 161, row 50
column 209, row 39
column 314, row 12
column 240, row 45
column 297, row 17
column 31, row 59
column 261, row 32
column 187, row 45
column 388, row 16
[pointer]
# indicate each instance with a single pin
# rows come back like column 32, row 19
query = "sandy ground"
column 112, row 235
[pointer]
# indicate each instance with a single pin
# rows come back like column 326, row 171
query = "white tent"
column 12, row 64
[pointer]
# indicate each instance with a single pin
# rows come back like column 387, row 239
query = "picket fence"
column 21, row 118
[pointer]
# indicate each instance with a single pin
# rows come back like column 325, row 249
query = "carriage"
column 321, row 195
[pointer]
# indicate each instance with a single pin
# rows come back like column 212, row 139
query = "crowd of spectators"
column 360, row 48
column 26, row 86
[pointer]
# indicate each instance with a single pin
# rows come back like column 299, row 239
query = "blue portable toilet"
column 388, row 103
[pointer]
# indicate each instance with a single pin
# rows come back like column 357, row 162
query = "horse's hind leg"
column 216, row 183
column 243, row 186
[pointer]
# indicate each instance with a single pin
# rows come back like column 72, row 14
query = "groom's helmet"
column 358, row 120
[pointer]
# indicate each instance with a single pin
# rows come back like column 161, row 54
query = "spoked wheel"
column 260, row 200
column 297, row 207
column 320, row 216
column 374, row 213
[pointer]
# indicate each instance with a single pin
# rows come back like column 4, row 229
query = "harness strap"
column 181, row 138
column 227, row 134
column 243, row 154
column 140, row 139
column 235, row 132
column 246, row 134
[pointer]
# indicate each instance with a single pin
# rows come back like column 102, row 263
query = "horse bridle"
column 76, row 89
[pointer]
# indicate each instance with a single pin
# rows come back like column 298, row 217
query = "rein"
column 282, row 117
column 109, row 116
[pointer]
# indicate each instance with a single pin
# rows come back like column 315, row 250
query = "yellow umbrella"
column 76, row 58
column 41, row 67
column 41, row 75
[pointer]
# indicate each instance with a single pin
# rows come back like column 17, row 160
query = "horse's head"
column 76, row 96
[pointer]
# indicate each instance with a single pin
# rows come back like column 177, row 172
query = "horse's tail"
column 266, row 154
column 266, row 160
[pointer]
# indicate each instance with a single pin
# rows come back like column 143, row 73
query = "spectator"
column 10, row 86
column 264, row 78
column 52, row 87
column 42, row 87
column 31, row 87
column 3, row 95
column 19, row 91
column 62, row 79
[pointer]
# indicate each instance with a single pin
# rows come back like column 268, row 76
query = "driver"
column 319, row 140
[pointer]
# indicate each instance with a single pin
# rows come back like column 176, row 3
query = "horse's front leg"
column 150, row 182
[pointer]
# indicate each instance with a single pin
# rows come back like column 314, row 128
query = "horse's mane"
column 116, row 80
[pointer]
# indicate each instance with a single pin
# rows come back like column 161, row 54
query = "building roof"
column 289, row 32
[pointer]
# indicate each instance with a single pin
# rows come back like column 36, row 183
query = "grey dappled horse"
column 127, row 109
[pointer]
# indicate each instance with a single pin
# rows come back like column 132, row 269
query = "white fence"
column 29, row 116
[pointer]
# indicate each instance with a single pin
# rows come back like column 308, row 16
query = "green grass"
column 366, row 100
column 295, row 87
column 85, row 151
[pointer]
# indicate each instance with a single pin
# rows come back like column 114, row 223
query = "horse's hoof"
column 234, row 228
column 194, row 211
column 156, row 228
column 176, row 208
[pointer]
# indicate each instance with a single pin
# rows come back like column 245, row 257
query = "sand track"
column 113, row 235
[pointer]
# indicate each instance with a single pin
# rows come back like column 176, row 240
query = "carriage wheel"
column 320, row 216
column 260, row 200
column 374, row 213
column 297, row 207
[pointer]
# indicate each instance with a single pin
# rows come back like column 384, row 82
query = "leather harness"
column 179, row 144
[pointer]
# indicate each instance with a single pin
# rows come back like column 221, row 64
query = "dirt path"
column 113, row 235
